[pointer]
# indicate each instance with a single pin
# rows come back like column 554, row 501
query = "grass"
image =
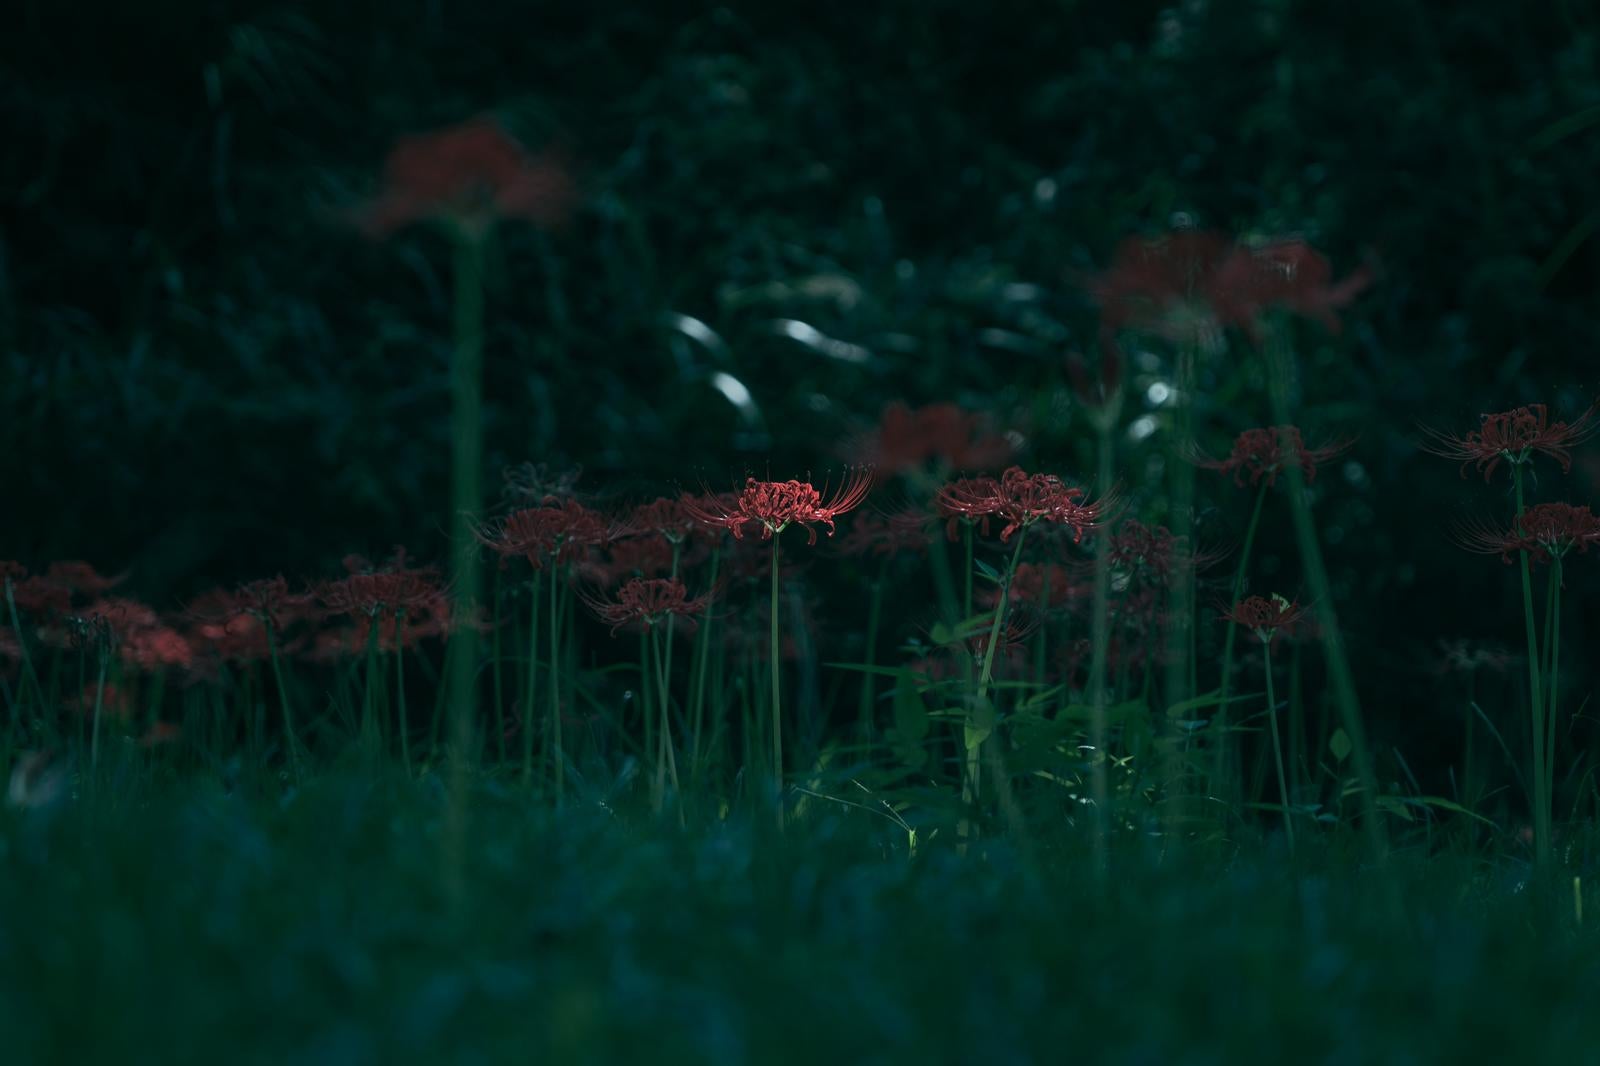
column 196, row 922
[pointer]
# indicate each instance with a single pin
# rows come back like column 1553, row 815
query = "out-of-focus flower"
column 885, row 535
column 471, row 175
column 1264, row 615
column 645, row 603
column 1018, row 499
column 943, row 434
column 1265, row 453
column 1545, row 531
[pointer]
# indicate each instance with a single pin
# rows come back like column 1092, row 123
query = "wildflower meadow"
column 706, row 535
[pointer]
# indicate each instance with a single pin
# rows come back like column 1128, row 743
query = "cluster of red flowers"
column 885, row 535
column 1514, row 437
column 942, row 434
column 1018, row 499
column 1196, row 282
column 1265, row 453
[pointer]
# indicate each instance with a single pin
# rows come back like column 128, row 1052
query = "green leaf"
column 1340, row 745
column 986, row 570
column 1205, row 699
column 980, row 723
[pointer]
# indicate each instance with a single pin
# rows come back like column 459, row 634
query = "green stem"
column 495, row 656
column 533, row 679
column 665, row 756
column 22, row 643
column 1554, row 675
column 777, row 714
column 1100, row 640
column 1541, row 813
column 99, row 703
column 982, row 703
column 466, row 493
column 283, row 698
column 404, row 724
column 647, row 676
column 369, row 699
column 1344, row 686
column 702, row 664
column 966, row 602
column 868, row 679
column 1221, row 719
column 1277, row 749
column 555, row 690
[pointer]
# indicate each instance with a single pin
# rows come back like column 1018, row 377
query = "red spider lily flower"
column 267, row 600
column 1267, row 452
column 1019, row 499
column 388, row 590
column 1545, row 531
column 885, row 535
column 1164, row 285
column 1043, row 587
column 776, row 505
column 114, row 700
column 40, row 597
column 1514, row 437
column 81, row 578
column 1287, row 273
column 1013, row 635
column 667, row 517
column 10, row 645
column 561, row 532
column 647, row 602
column 534, row 483
column 472, row 175
column 241, row 638
column 942, row 433
column 634, row 557
column 161, row 734
column 1192, row 283
column 1264, row 615
column 155, row 649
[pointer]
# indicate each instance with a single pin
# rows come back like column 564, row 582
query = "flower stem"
column 22, row 644
column 982, row 703
column 1100, row 640
column 404, row 723
column 99, row 704
column 868, row 679
column 466, row 492
column 1220, row 722
column 495, row 656
column 702, row 663
column 777, row 715
column 1344, row 686
column 1277, row 749
column 1554, row 676
column 533, row 679
column 666, row 760
column 370, row 697
column 1541, row 811
column 283, row 698
column 555, row 691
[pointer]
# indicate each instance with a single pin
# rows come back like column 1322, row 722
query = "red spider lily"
column 1013, row 635
column 634, row 557
column 1513, row 437
column 10, row 646
column 669, row 518
column 241, row 638
column 1267, row 452
column 534, row 483
column 114, row 700
column 79, row 577
column 1286, row 273
column 1544, row 531
column 472, row 174
column 389, row 590
column 1264, row 615
column 51, row 593
column 647, row 602
column 776, row 505
column 562, row 532
column 1193, row 283
column 1043, row 586
column 1019, row 499
column 885, row 535
column 267, row 600
column 908, row 439
column 155, row 649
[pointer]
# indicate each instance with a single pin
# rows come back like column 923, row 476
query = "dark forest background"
column 207, row 375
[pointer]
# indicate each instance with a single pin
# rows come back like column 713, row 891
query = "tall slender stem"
column 283, row 697
column 99, row 704
column 982, row 702
column 22, row 645
column 666, row 760
column 1100, row 640
column 555, row 690
column 533, row 678
column 777, row 713
column 466, row 490
column 1344, row 686
column 1541, row 812
column 868, row 679
column 1555, row 676
column 702, row 664
column 1277, row 747
column 403, row 721
column 495, row 656
column 1220, row 721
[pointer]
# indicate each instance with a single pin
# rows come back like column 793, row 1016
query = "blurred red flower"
column 1513, row 437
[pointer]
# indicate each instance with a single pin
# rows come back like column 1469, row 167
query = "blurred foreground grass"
column 194, row 925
